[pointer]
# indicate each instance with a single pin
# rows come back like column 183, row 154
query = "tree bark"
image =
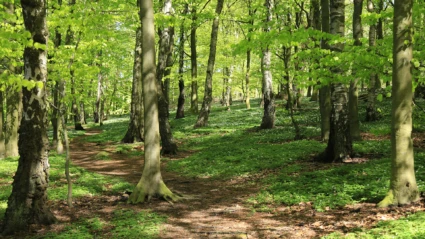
column 353, row 92
column 99, row 94
column 194, row 63
column 371, row 112
column 13, row 117
column 28, row 202
column 324, row 91
column 2, row 145
column 403, row 187
column 248, row 56
column 268, row 96
column 339, row 145
column 135, row 128
column 165, row 49
column 151, row 183
column 206, row 104
column 181, row 100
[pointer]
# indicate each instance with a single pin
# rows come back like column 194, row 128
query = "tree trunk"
column 339, row 145
column 13, row 117
column 268, row 97
column 371, row 112
column 206, row 104
column 97, row 116
column 248, row 56
column 76, row 114
column 353, row 92
column 403, row 187
column 194, row 64
column 324, row 91
column 2, row 145
column 28, row 202
column 181, row 100
column 151, row 183
column 135, row 128
column 165, row 49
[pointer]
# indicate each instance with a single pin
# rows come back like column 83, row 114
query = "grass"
column 408, row 227
column 232, row 146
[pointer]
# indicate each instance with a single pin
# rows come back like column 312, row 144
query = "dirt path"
column 219, row 208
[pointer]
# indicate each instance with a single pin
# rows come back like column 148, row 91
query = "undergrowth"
column 232, row 145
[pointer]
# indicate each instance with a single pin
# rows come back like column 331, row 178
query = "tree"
column 135, row 127
column 13, row 101
column 353, row 92
column 371, row 112
column 151, row 183
column 324, row 92
column 339, row 144
column 166, row 42
column 28, row 202
column 182, row 98
column 13, row 117
column 268, row 97
column 206, row 104
column 2, row 145
column 194, row 62
column 403, row 187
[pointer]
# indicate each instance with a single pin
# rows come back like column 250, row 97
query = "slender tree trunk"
column 206, row 104
column 99, row 94
column 151, row 183
column 135, row 128
column 324, row 91
column 403, row 187
column 181, row 100
column 74, row 108
column 354, row 93
column 28, row 202
column 317, row 25
column 194, row 63
column 339, row 145
column 165, row 49
column 268, row 96
column 13, row 117
column 2, row 145
column 371, row 111
column 248, row 56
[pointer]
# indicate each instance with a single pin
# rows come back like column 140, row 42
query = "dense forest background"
column 76, row 62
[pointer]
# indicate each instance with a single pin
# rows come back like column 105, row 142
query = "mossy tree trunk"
column 151, row 183
column 268, row 96
column 28, row 202
column 206, row 103
column 135, row 127
column 403, row 187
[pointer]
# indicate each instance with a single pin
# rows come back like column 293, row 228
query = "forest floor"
column 215, row 208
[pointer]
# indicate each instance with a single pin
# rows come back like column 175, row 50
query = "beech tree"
column 135, row 129
column 403, row 187
column 206, row 104
column 27, row 203
column 151, row 183
column 268, row 96
column 339, row 145
column 166, row 42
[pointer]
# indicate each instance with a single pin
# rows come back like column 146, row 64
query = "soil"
column 214, row 208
